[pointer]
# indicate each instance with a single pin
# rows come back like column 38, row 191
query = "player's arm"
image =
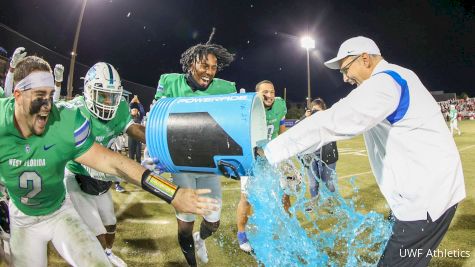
column 361, row 110
column 161, row 90
column 8, row 90
column 137, row 132
column 183, row 200
column 282, row 127
column 134, row 130
column 17, row 56
column 58, row 79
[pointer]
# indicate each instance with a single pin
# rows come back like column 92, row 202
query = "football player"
column 37, row 140
column 275, row 118
column 200, row 64
column 109, row 116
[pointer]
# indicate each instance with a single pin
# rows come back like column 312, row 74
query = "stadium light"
column 308, row 43
column 74, row 52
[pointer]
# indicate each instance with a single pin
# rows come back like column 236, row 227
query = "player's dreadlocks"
column 200, row 52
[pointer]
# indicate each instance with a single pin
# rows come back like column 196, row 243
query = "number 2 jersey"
column 103, row 132
column 32, row 168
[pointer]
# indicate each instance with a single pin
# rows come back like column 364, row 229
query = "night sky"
column 145, row 38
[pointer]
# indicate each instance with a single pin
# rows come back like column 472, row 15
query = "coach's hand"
column 191, row 201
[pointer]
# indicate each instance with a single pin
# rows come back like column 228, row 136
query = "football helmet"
column 102, row 90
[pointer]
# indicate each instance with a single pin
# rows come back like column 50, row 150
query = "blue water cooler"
column 210, row 134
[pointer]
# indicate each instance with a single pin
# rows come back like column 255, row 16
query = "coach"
column 412, row 154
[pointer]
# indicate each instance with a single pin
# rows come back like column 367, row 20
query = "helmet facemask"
column 103, row 103
column 102, row 91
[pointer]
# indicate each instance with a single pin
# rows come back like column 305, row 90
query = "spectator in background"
column 322, row 165
column 453, row 114
column 135, row 103
column 135, row 146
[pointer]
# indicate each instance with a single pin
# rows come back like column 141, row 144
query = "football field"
column 146, row 233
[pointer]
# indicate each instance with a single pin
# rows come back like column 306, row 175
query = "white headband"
column 34, row 80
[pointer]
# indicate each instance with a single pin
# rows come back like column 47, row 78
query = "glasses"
column 345, row 69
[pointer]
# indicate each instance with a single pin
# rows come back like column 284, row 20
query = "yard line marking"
column 465, row 148
column 354, row 152
column 355, row 174
column 231, row 188
column 125, row 204
column 147, row 221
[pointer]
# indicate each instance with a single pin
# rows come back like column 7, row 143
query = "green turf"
column 146, row 234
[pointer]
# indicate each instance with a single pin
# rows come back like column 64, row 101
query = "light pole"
column 74, row 53
column 308, row 43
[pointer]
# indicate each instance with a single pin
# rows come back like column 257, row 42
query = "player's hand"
column 191, row 201
column 153, row 164
column 17, row 56
column 58, row 73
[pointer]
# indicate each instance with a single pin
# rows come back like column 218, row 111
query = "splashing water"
column 331, row 233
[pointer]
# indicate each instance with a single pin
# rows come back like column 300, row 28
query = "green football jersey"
column 274, row 116
column 103, row 131
column 453, row 114
column 33, row 168
column 2, row 92
column 174, row 85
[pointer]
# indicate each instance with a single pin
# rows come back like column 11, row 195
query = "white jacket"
column 414, row 159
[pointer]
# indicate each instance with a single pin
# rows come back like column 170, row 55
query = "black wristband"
column 159, row 186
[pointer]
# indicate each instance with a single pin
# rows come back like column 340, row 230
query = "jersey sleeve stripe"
column 82, row 133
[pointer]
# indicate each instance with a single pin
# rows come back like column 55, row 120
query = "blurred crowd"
column 465, row 108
